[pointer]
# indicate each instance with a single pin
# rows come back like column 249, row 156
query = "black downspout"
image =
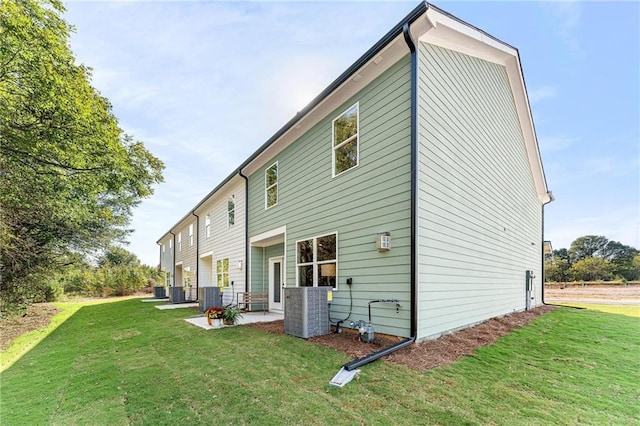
column 246, row 230
column 414, row 176
column 173, row 260
column 160, row 258
column 197, row 254
column 414, row 205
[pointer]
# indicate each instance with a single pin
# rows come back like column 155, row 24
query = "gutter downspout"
column 414, row 176
column 350, row 366
column 160, row 257
column 542, row 280
column 173, row 260
column 246, row 230
column 197, row 254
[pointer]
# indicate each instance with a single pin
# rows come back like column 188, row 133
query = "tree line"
column 593, row 258
column 70, row 177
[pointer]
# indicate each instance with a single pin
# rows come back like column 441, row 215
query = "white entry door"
column 276, row 274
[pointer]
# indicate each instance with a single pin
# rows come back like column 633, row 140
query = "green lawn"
column 129, row 363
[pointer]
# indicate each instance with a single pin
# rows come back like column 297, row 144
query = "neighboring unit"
column 412, row 185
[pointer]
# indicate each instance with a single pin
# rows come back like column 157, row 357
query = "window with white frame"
column 170, row 244
column 186, row 277
column 180, row 241
column 271, row 185
column 222, row 272
column 190, row 235
column 163, row 248
column 167, row 279
column 231, row 210
column 207, row 225
column 316, row 261
column 346, row 151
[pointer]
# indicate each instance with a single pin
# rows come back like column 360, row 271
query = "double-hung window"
column 222, row 272
column 231, row 210
column 180, row 241
column 317, row 261
column 207, row 225
column 346, row 150
column 271, row 185
column 187, row 277
column 190, row 235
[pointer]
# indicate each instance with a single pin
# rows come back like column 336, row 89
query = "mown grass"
column 128, row 363
column 629, row 310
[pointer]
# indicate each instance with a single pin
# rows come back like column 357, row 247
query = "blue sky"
column 204, row 84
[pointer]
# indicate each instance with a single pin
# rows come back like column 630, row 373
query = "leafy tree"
column 592, row 269
column 587, row 246
column 562, row 254
column 618, row 252
column 556, row 270
column 117, row 256
column 69, row 176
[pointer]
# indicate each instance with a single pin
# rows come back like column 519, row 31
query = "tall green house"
column 414, row 179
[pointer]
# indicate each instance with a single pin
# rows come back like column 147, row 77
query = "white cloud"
column 556, row 143
column 541, row 93
column 617, row 224
column 568, row 14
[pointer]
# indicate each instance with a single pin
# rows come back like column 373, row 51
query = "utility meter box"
column 306, row 311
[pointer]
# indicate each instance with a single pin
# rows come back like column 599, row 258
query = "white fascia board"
column 454, row 35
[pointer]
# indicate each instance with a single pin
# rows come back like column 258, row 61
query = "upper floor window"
column 316, row 260
column 231, row 210
column 163, row 248
column 191, row 234
column 180, row 241
column 271, row 185
column 207, row 225
column 170, row 245
column 346, row 150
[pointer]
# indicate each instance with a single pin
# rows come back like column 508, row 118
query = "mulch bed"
column 37, row 316
column 423, row 355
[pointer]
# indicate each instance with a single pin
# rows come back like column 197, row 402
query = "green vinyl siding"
column 260, row 265
column 371, row 198
column 479, row 218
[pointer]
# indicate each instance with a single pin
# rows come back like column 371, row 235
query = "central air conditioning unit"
column 208, row 297
column 306, row 311
column 176, row 294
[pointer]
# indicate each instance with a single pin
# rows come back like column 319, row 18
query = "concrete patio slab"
column 178, row 306
column 166, row 299
column 247, row 318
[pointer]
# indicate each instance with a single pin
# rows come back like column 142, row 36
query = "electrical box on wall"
column 383, row 241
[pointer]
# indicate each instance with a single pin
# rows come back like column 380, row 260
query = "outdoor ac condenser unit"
column 306, row 311
column 208, row 297
column 176, row 294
